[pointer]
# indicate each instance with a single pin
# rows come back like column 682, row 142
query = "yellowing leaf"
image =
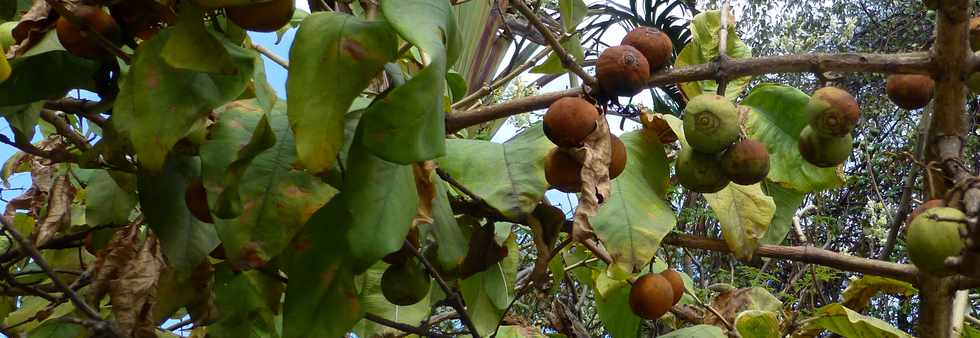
column 744, row 212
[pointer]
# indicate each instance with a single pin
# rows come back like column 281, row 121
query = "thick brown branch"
column 806, row 254
column 85, row 108
column 802, row 63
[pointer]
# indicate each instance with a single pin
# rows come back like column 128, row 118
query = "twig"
column 180, row 324
column 566, row 59
column 272, row 56
column 56, row 156
column 91, row 33
column 723, row 49
column 454, row 298
column 710, row 308
column 63, row 129
column 488, row 89
column 26, row 245
column 401, row 327
column 85, row 108
column 918, row 62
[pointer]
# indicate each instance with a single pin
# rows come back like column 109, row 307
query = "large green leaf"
column 106, row 200
column 849, row 323
column 634, row 220
column 180, row 98
column 374, row 302
column 321, row 299
column 572, row 13
column 248, row 303
column 46, row 71
column 58, row 328
column 703, row 48
column 192, row 47
column 776, row 119
column 277, row 199
column 229, row 203
column 614, row 311
column 757, row 324
column 408, row 124
column 744, row 212
column 330, row 47
column 185, row 240
column 23, row 118
column 860, row 290
column 508, row 176
column 787, row 201
column 489, row 292
column 382, row 200
column 453, row 245
column 698, row 331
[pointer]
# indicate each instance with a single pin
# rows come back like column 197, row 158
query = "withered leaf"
column 58, row 217
column 426, row 189
column 129, row 273
column 595, row 157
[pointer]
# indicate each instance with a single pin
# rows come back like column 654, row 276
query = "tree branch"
column 63, row 129
column 566, row 59
column 402, row 327
column 455, row 300
column 723, row 50
column 272, row 56
column 919, row 62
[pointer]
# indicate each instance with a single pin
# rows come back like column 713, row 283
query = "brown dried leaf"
column 33, row 25
column 129, row 272
column 658, row 127
column 60, row 198
column 594, row 156
column 426, row 189
column 730, row 303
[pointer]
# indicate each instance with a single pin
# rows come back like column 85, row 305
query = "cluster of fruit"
column 624, row 70
column 567, row 123
column 827, row 141
column 653, row 294
column 715, row 156
column 266, row 16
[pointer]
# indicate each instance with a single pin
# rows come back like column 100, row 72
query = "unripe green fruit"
column 7, row 35
column 651, row 296
column 933, row 236
column 405, row 284
column 569, row 121
column 700, row 172
column 824, row 151
column 746, row 162
column 832, row 111
column 710, row 123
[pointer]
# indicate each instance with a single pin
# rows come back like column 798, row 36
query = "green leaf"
column 192, row 47
column 699, row 331
column 48, row 75
column 614, row 311
column 247, row 301
column 453, row 245
column 703, row 48
column 265, row 95
column 508, row 176
column 330, row 47
column 58, row 329
column 457, row 85
column 572, row 13
column 29, row 307
column 230, row 201
column 744, row 212
column 185, row 240
column 488, row 293
column 181, row 98
column 408, row 125
column 374, row 302
column 382, row 200
column 107, row 201
column 787, row 201
column 848, row 323
column 757, row 324
column 776, row 119
column 23, row 119
column 277, row 199
column 860, row 290
column 636, row 218
column 225, row 3
column 513, row 331
column 552, row 65
column 321, row 299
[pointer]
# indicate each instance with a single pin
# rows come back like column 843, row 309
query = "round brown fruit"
column 569, row 121
column 676, row 283
column 651, row 296
column 405, row 284
column 622, row 71
column 563, row 172
column 617, row 162
column 910, row 91
column 266, row 16
column 933, row 236
column 77, row 41
column 832, row 111
column 746, row 162
column 710, row 123
column 934, row 203
column 655, row 46
column 824, row 151
column 700, row 172
column 196, row 198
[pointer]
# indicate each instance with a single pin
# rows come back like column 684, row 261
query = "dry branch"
column 919, row 62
